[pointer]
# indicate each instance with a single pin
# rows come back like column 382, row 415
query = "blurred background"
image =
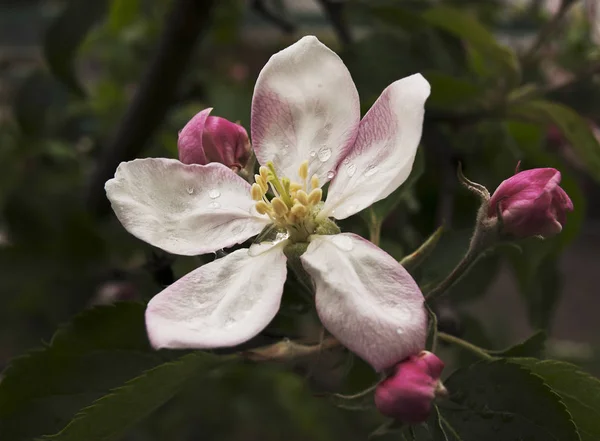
column 86, row 84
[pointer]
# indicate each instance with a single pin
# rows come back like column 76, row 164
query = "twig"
column 335, row 13
column 186, row 21
column 279, row 21
column 481, row 353
column 547, row 30
column 288, row 350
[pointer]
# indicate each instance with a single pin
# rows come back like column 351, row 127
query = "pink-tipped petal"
column 223, row 303
column 385, row 149
column 305, row 108
column 183, row 209
column 366, row 299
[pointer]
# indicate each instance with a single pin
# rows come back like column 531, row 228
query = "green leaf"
column 39, row 100
column 539, row 279
column 576, row 130
column 499, row 401
column 101, row 349
column 122, row 13
column 66, row 33
column 534, row 346
column 578, row 390
column 110, row 416
column 452, row 93
column 500, row 59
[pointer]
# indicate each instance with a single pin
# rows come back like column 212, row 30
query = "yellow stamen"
column 264, row 173
column 279, row 207
column 303, row 170
column 294, row 187
column 299, row 210
column 263, row 184
column 262, row 207
column 302, row 197
column 256, row 192
column 314, row 181
column 315, row 196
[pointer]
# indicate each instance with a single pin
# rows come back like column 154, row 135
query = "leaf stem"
column 460, row 270
column 481, row 353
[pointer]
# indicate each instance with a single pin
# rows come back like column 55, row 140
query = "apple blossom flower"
column 531, row 203
column 208, row 138
column 306, row 131
column 408, row 393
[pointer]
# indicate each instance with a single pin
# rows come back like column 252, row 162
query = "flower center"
column 294, row 205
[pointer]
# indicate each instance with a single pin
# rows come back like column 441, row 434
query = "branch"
column 288, row 350
column 281, row 22
column 335, row 13
column 186, row 21
column 543, row 37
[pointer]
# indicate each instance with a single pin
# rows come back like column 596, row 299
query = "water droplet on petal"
column 351, row 208
column 342, row 242
column 214, row 193
column 399, row 331
column 371, row 170
column 346, row 161
column 330, row 174
column 214, row 205
column 324, row 154
column 190, row 190
column 312, row 153
column 351, row 170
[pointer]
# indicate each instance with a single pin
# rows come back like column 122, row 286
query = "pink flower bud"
column 407, row 395
column 531, row 203
column 207, row 139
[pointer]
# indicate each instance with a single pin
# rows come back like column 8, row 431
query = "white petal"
column 223, row 303
column 183, row 209
column 305, row 107
column 384, row 151
column 366, row 299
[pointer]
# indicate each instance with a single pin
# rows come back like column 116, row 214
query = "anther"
column 256, row 192
column 279, row 207
column 263, row 184
column 315, row 196
column 262, row 207
column 299, row 210
column 302, row 197
column 314, row 181
column 264, row 173
column 303, row 170
column 294, row 186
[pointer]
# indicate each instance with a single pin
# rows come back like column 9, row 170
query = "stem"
column 460, row 270
column 287, row 350
column 547, row 30
column 481, row 353
column 374, row 229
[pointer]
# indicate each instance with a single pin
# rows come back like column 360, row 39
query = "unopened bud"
column 530, row 203
column 207, row 139
column 408, row 393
